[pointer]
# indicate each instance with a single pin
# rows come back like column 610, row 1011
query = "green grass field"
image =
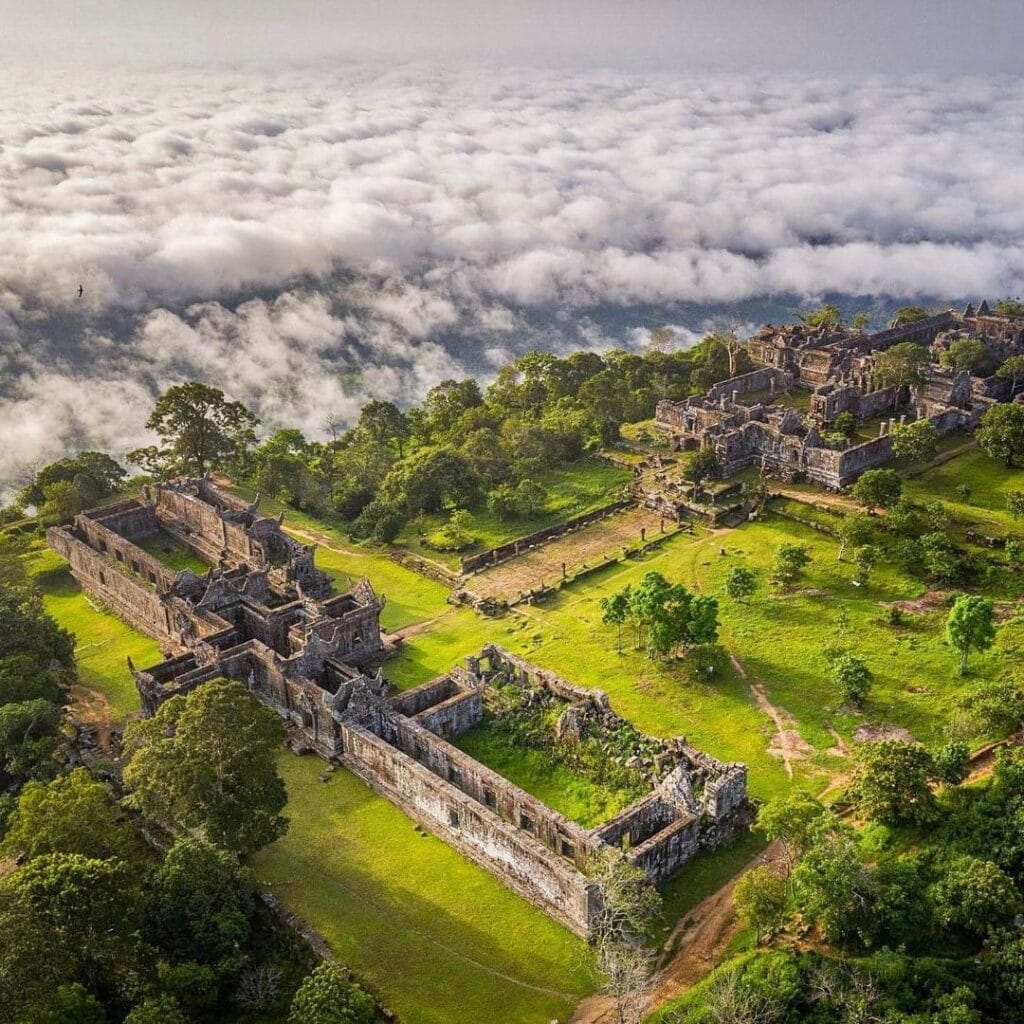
column 572, row 491
column 104, row 641
column 583, row 800
column 175, row 554
column 442, row 939
column 989, row 481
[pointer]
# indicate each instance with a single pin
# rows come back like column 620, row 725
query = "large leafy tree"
column 971, row 626
column 878, row 488
column 1001, row 434
column 198, row 906
column 916, row 442
column 901, row 366
column 71, row 814
column 669, row 616
column 205, row 764
column 789, row 564
column 1012, row 370
column 93, row 476
column 891, row 782
column 199, row 429
column 64, row 918
column 428, row 479
column 330, row 995
column 385, row 423
column 975, row 895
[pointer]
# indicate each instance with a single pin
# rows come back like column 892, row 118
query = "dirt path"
column 702, row 936
column 787, row 743
column 420, row 627
column 817, row 498
column 92, row 708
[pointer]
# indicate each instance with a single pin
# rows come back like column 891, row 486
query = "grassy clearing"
column 579, row 488
column 581, row 799
column 175, row 554
column 411, row 597
column 989, row 481
column 104, row 641
column 441, row 938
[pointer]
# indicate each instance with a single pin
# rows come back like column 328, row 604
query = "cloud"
column 306, row 237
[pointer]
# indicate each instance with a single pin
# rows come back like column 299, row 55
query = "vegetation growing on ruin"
column 558, row 754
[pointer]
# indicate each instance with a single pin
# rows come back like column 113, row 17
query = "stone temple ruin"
column 265, row 616
column 745, row 424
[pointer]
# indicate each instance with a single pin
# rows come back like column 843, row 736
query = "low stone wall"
column 465, row 821
column 486, row 559
column 757, row 380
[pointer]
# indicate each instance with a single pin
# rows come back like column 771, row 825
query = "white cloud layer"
column 307, row 237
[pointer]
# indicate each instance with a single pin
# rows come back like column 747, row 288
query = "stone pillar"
column 881, row 429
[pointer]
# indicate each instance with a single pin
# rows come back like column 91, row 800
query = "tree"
column 916, row 442
column 28, row 735
column 330, row 995
column 854, row 530
column 385, row 423
column 760, row 901
column 704, row 464
column 860, row 321
column 891, row 782
column 93, row 475
column 971, row 626
column 795, row 819
column 968, row 354
column 529, row 499
column 878, row 488
column 61, row 503
column 670, row 616
column 379, row 521
column 866, row 557
column 1001, row 434
column 997, row 706
column 458, row 531
column 71, row 814
column 198, row 906
column 789, row 564
column 833, row 886
column 1012, row 370
column 205, row 764
column 975, row 895
column 76, row 916
column 908, row 315
column 199, row 430
column 161, row 1009
column 826, row 316
column 846, row 424
column 851, row 678
column 1015, row 504
column 615, row 611
column 901, row 366
column 428, row 479
column 741, row 583
column 951, row 762
column 627, row 907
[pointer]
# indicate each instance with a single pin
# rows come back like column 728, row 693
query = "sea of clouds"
column 306, row 238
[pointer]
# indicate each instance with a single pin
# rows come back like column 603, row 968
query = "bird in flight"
column 80, row 290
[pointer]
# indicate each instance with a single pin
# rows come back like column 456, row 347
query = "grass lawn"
column 175, row 554
column 104, row 641
column 572, row 491
column 410, row 596
column 441, row 938
column 571, row 793
column 778, row 639
column 989, row 480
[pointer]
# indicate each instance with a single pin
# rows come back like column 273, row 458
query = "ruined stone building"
column 264, row 615
column 400, row 747
column 743, row 422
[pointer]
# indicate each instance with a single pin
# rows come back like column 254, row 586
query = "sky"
column 310, row 205
column 794, row 35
